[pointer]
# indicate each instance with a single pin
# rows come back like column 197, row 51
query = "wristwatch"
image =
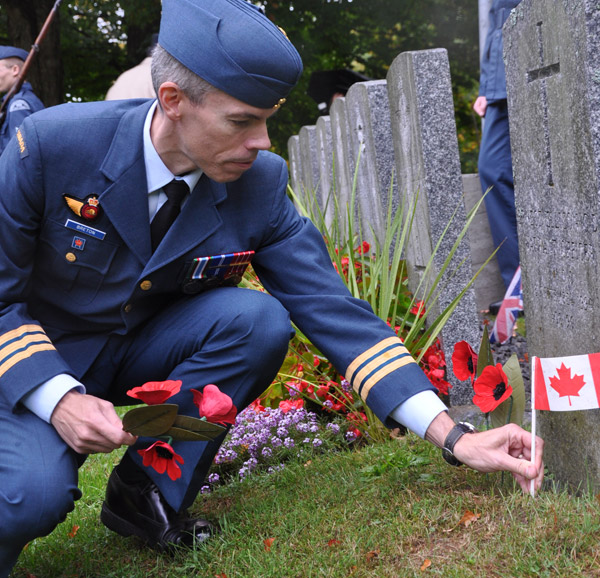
column 458, row 431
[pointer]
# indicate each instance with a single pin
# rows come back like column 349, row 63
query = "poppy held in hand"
column 155, row 392
column 214, row 405
column 491, row 388
column 464, row 361
column 162, row 457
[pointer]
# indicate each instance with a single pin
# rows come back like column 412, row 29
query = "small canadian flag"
column 567, row 383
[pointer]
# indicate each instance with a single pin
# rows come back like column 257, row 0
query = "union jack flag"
column 509, row 310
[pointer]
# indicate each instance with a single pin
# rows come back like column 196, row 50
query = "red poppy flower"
column 491, row 388
column 288, row 404
column 155, row 392
column 162, row 457
column 214, row 405
column 464, row 361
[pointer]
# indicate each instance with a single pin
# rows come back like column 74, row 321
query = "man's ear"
column 170, row 97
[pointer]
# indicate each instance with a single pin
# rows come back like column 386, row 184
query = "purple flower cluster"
column 265, row 439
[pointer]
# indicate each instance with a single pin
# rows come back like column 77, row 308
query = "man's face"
column 223, row 135
column 9, row 71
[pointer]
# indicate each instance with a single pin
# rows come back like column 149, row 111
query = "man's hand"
column 89, row 424
column 506, row 448
column 480, row 105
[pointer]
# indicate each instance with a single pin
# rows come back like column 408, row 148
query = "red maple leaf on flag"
column 564, row 384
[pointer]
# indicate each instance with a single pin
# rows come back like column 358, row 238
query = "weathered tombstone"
column 488, row 287
column 552, row 55
column 343, row 159
column 295, row 164
column 371, row 143
column 325, row 160
column 309, row 163
column 428, row 165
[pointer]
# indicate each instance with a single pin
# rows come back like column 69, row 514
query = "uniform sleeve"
column 295, row 267
column 27, row 356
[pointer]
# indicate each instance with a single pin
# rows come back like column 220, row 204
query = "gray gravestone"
column 428, row 165
column 325, row 160
column 489, row 287
column 371, row 143
column 309, row 163
column 295, row 164
column 552, row 54
column 343, row 159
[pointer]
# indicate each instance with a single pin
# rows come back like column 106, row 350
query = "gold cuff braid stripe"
column 19, row 332
column 382, row 353
column 11, row 362
column 386, row 370
column 21, row 343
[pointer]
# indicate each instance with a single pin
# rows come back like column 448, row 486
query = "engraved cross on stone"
column 541, row 74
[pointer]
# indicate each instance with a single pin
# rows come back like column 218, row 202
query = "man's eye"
column 239, row 122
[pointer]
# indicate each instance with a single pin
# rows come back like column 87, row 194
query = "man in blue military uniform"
column 495, row 159
column 94, row 302
column 24, row 102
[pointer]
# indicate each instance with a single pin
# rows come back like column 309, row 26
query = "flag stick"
column 533, row 424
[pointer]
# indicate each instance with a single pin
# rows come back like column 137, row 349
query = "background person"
column 495, row 160
column 24, row 102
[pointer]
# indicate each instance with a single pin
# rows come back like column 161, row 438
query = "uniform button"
column 128, row 308
column 146, row 285
column 71, row 257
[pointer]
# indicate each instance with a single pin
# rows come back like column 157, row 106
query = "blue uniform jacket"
column 59, row 301
column 21, row 105
column 492, row 79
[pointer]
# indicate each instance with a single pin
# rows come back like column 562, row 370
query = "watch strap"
column 458, row 431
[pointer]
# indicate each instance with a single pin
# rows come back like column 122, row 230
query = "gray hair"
column 165, row 68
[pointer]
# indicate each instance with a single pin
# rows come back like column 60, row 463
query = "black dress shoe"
column 140, row 510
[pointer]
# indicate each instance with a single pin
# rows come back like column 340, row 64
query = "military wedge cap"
column 232, row 45
column 13, row 52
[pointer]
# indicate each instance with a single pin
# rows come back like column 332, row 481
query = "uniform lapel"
column 198, row 220
column 126, row 200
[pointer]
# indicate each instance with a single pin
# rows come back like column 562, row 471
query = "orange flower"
column 162, row 457
column 214, row 405
column 155, row 392
column 491, row 388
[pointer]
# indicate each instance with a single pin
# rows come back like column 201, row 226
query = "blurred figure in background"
column 24, row 102
column 135, row 82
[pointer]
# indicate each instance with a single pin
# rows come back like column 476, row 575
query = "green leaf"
column 185, row 435
column 150, row 420
column 198, row 426
column 485, row 356
column 504, row 413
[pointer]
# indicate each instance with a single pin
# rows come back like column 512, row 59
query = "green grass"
column 381, row 511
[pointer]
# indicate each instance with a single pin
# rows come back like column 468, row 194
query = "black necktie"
column 176, row 191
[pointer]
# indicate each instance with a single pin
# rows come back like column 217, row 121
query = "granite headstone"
column 552, row 56
column 429, row 175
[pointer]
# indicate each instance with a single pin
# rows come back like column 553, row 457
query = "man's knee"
column 32, row 505
column 264, row 321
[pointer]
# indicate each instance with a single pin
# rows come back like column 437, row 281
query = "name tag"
column 85, row 230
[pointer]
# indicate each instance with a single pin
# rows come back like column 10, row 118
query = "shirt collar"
column 157, row 173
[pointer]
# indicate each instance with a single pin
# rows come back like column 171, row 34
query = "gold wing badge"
column 88, row 209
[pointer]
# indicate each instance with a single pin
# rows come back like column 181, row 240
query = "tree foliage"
column 94, row 40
